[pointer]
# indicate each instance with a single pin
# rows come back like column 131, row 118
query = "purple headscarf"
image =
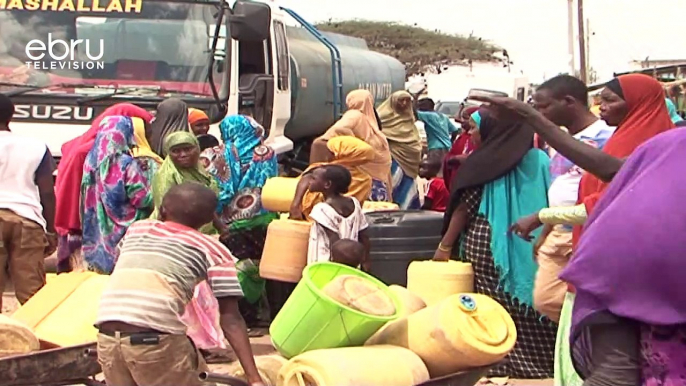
column 630, row 261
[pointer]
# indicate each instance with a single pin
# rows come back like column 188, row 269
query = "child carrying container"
column 338, row 217
column 437, row 195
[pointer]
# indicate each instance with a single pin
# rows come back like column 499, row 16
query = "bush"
column 419, row 49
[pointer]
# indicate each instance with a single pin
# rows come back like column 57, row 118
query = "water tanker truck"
column 63, row 62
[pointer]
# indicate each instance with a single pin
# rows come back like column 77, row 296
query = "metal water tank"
column 399, row 237
column 312, row 110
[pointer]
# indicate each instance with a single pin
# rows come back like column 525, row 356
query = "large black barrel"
column 400, row 237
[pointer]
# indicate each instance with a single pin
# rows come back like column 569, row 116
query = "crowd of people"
column 133, row 200
column 556, row 223
column 111, row 202
column 594, row 294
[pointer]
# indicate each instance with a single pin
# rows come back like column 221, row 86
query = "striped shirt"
column 158, row 267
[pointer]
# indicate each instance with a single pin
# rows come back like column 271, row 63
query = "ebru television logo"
column 62, row 54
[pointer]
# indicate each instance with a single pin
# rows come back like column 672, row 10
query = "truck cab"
column 64, row 62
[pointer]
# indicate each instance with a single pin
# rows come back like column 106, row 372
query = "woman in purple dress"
column 630, row 265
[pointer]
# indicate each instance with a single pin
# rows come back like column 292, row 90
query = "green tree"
column 418, row 48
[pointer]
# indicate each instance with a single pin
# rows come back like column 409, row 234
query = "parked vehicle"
column 223, row 60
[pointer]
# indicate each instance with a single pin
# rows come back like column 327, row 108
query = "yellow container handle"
column 476, row 322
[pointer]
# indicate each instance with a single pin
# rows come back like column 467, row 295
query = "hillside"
column 420, row 49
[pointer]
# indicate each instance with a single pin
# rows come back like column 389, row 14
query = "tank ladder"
column 336, row 68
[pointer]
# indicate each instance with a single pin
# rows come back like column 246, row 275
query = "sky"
column 533, row 31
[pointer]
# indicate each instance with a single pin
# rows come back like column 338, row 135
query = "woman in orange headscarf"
column 636, row 105
column 361, row 121
column 347, row 151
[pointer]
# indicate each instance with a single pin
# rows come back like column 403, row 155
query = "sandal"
column 255, row 333
column 217, row 357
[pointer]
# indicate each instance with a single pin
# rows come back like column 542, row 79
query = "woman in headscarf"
column 172, row 116
column 463, row 145
column 397, row 122
column 114, row 191
column 241, row 166
column 502, row 179
column 199, row 121
column 347, row 151
column 68, row 184
column 149, row 160
column 182, row 164
column 673, row 115
column 628, row 270
column 361, row 121
column 635, row 104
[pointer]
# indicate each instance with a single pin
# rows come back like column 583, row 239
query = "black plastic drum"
column 399, row 237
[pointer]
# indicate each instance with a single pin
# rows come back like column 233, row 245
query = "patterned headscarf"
column 112, row 147
column 114, row 192
column 246, row 165
column 70, row 169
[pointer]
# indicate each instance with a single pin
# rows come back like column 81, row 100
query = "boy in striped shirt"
column 142, row 341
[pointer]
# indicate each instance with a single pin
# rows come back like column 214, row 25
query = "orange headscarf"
column 352, row 153
column 647, row 117
column 360, row 121
column 195, row 115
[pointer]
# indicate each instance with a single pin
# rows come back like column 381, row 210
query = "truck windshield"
column 124, row 44
column 448, row 108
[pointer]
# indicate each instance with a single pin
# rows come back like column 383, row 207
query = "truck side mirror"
column 250, row 21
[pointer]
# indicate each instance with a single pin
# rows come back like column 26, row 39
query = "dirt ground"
column 262, row 345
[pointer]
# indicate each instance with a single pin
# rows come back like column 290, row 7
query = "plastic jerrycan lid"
column 386, row 218
column 475, row 321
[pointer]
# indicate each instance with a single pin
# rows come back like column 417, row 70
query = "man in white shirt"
column 564, row 101
column 27, row 208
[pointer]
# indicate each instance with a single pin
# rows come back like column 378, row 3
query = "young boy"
column 337, row 218
column 142, row 341
column 437, row 196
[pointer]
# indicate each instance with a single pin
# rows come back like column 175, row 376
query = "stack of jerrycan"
column 322, row 322
column 321, row 331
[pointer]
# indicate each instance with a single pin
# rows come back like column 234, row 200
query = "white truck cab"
column 63, row 66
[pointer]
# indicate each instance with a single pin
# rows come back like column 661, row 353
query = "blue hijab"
column 672, row 111
column 476, row 117
column 250, row 164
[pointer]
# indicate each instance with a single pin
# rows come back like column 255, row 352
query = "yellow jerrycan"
column 434, row 281
column 285, row 250
column 461, row 332
column 355, row 366
column 278, row 193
